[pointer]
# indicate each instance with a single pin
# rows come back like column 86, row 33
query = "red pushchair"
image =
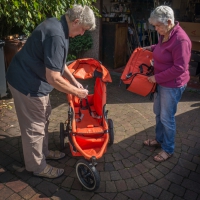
column 88, row 129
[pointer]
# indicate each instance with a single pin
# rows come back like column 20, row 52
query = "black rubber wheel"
column 111, row 131
column 62, row 136
column 87, row 175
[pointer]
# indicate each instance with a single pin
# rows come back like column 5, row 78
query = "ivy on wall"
column 22, row 16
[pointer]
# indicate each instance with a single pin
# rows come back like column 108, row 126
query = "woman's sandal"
column 152, row 143
column 55, row 155
column 50, row 172
column 162, row 156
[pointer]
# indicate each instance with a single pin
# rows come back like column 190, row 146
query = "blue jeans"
column 165, row 107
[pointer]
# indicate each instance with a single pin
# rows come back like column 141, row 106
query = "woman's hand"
column 147, row 48
column 152, row 79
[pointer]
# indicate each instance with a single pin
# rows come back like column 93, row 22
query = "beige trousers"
column 33, row 116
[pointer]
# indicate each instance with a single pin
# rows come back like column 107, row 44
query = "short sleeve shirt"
column 47, row 47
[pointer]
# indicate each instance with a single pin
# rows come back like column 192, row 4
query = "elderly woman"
column 171, row 62
column 34, row 71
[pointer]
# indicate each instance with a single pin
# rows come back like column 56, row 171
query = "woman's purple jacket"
column 171, row 59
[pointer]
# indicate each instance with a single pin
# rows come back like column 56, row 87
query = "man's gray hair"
column 84, row 13
column 162, row 14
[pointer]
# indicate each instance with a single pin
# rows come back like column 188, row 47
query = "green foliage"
column 25, row 15
column 80, row 44
column 71, row 57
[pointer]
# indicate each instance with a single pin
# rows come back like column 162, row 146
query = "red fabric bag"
column 136, row 72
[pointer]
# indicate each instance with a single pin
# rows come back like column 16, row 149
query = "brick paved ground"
column 127, row 169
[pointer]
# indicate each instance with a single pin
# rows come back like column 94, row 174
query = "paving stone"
column 62, row 194
column 76, row 185
column 121, row 185
column 120, row 196
column 165, row 195
column 97, row 197
column 152, row 190
column 5, row 193
column 141, row 168
column 163, row 169
column 110, row 186
column 27, row 193
column 118, row 165
column 191, row 185
column 131, row 184
column 40, row 196
column 1, row 186
column 133, row 194
column 140, row 181
column 127, row 163
column 168, row 164
column 109, row 167
column 177, row 198
column 175, row 178
column 125, row 153
column 141, row 156
column 33, row 181
column 105, row 176
column 178, row 169
column 82, row 194
column 194, row 177
column 131, row 150
column 154, row 172
column 193, row 151
column 163, row 183
column 177, row 189
column 135, row 160
column 17, row 185
column 114, row 175
column 47, row 188
column 68, row 182
column 187, row 164
column 14, row 196
column 124, row 173
column 134, row 172
column 108, row 195
column 190, row 195
column 196, row 159
column 188, row 142
column 146, row 196
column 109, row 158
column 148, row 165
column 149, row 178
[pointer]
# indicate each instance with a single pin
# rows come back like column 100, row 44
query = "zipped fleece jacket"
column 171, row 59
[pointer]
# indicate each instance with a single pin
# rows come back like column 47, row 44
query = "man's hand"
column 82, row 93
column 152, row 79
column 77, row 84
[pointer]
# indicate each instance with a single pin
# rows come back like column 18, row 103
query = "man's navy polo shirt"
column 46, row 47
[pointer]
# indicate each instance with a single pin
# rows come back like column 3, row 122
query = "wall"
column 94, row 52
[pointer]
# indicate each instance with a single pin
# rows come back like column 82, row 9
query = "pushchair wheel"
column 87, row 175
column 62, row 136
column 111, row 131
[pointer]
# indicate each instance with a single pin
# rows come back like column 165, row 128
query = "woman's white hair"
column 84, row 14
column 162, row 14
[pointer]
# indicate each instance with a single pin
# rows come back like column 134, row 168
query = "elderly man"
column 34, row 72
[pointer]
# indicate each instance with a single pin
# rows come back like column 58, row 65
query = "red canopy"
column 86, row 67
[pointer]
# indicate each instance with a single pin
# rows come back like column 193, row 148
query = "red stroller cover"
column 136, row 72
column 85, row 69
